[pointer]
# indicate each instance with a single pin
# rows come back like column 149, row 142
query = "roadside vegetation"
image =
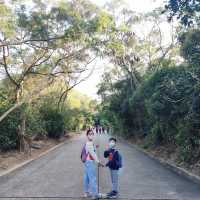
column 155, row 98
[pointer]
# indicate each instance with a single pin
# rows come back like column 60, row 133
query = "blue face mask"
column 111, row 144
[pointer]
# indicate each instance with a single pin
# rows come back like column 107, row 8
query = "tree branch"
column 6, row 69
column 3, row 44
column 78, row 82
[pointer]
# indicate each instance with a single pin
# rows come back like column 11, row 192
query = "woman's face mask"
column 111, row 144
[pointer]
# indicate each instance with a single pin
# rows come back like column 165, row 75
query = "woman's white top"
column 91, row 151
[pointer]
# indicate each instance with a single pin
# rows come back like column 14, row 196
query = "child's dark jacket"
column 113, row 158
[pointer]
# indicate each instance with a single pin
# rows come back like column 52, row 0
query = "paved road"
column 59, row 174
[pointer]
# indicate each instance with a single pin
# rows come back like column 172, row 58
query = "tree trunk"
column 20, row 133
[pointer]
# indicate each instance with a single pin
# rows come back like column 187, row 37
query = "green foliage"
column 7, row 21
column 77, row 119
column 8, row 127
column 8, row 130
column 54, row 121
column 104, row 21
column 34, row 122
column 164, row 109
column 190, row 46
column 186, row 11
column 75, row 114
column 44, row 117
column 168, row 95
column 42, row 45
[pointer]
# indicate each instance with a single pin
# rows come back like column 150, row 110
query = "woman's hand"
column 101, row 164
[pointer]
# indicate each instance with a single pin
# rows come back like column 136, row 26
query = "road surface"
column 59, row 174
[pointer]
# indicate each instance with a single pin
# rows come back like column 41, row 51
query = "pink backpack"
column 83, row 154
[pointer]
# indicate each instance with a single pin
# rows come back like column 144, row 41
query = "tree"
column 41, row 45
column 186, row 11
column 190, row 46
column 44, row 45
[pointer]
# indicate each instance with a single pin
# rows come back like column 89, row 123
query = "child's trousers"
column 114, row 179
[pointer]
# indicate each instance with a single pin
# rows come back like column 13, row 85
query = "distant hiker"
column 108, row 130
column 103, row 130
column 97, row 130
column 114, row 163
column 90, row 158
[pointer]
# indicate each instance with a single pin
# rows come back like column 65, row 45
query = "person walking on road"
column 90, row 159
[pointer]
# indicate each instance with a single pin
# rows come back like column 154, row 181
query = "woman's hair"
column 88, row 131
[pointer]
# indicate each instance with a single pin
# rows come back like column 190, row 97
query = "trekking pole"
column 98, row 181
column 98, row 169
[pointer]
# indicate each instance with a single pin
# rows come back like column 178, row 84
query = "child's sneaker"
column 99, row 196
column 112, row 194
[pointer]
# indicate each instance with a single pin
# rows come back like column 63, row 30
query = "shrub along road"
column 59, row 174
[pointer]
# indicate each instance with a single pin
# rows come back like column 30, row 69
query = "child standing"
column 114, row 163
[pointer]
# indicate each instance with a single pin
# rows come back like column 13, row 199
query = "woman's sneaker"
column 112, row 194
column 95, row 198
column 87, row 195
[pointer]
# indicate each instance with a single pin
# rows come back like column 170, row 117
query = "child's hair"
column 113, row 139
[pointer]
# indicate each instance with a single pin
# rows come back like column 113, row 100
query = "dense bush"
column 42, row 118
column 54, row 121
column 8, row 135
column 74, row 119
column 34, row 122
column 190, row 46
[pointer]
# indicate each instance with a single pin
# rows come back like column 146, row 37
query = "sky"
column 88, row 87
column 136, row 5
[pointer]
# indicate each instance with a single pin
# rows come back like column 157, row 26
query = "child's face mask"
column 111, row 144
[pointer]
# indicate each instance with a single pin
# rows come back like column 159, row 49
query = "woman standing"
column 90, row 159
